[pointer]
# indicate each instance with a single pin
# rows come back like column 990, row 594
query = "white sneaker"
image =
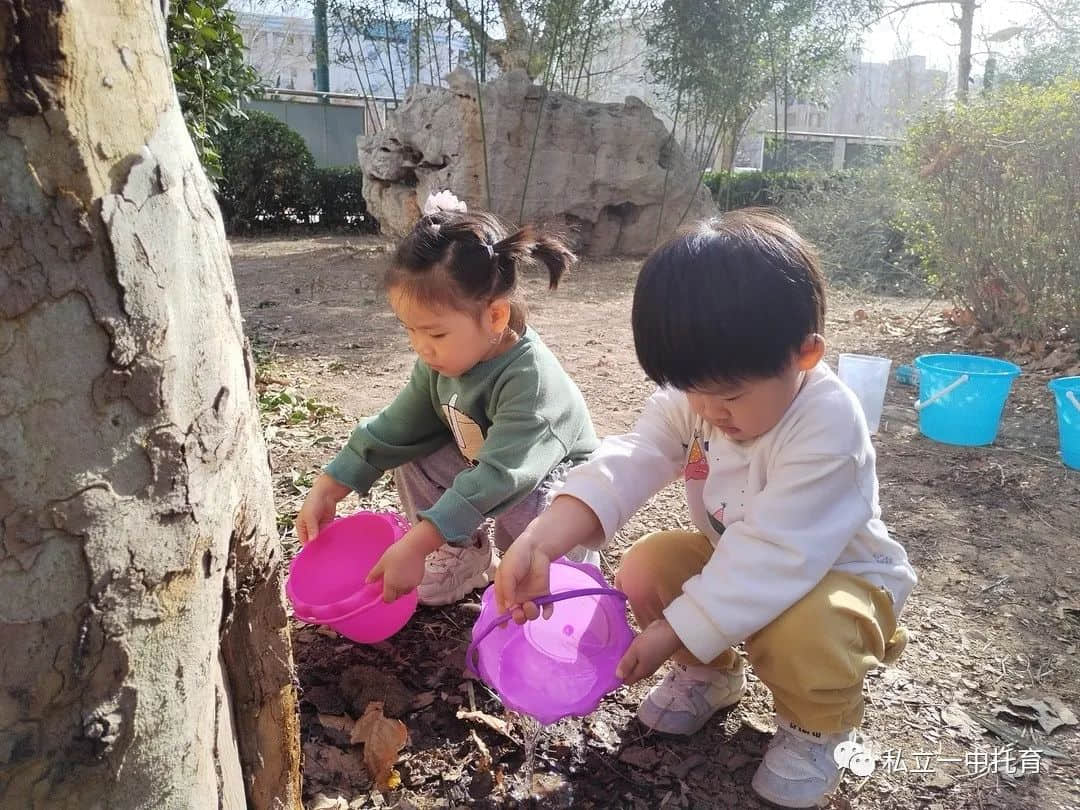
column 450, row 572
column 584, row 555
column 688, row 696
column 799, row 768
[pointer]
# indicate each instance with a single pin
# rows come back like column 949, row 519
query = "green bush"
column 733, row 190
column 337, row 199
column 993, row 206
column 852, row 220
column 209, row 71
column 271, row 182
column 267, row 174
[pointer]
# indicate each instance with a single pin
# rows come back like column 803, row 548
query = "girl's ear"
column 497, row 316
column 811, row 351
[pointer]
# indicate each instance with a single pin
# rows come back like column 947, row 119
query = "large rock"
column 598, row 171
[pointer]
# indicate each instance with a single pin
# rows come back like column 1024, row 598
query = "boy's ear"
column 811, row 351
column 498, row 315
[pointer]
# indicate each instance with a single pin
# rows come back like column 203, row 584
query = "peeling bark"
column 146, row 659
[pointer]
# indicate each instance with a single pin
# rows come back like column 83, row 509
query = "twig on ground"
column 1027, row 453
column 446, row 616
column 613, row 769
column 922, row 311
column 993, row 585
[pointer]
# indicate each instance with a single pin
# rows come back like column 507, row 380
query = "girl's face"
column 449, row 340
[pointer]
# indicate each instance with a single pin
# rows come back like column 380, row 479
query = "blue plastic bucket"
column 961, row 397
column 1067, row 394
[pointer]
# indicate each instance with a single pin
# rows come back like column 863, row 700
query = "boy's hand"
column 401, row 567
column 523, row 571
column 655, row 645
column 319, row 507
column 522, row 576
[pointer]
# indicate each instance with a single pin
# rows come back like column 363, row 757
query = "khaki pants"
column 813, row 656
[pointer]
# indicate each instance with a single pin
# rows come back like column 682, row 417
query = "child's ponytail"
column 527, row 245
column 459, row 258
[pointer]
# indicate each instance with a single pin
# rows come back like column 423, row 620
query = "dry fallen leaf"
column 339, row 722
column 1050, row 713
column 484, row 760
column 324, row 802
column 494, row 723
column 640, row 757
column 382, row 738
column 1057, row 359
column 422, row 700
column 960, row 721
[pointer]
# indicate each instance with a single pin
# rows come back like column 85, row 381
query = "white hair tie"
column 443, row 201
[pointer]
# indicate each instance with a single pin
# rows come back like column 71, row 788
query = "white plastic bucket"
column 868, row 377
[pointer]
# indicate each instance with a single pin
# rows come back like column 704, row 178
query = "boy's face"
column 750, row 408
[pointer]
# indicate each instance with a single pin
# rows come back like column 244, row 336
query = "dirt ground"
column 993, row 532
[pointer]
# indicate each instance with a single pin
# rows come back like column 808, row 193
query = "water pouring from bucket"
column 561, row 666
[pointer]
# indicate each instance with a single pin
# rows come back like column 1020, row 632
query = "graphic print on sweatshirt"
column 716, row 519
column 467, row 434
column 696, row 473
column 697, row 463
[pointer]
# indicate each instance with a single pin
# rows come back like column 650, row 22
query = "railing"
column 376, row 107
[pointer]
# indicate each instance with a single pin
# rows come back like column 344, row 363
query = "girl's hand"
column 319, row 507
column 655, row 645
column 401, row 567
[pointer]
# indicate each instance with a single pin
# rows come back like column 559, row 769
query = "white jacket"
column 791, row 505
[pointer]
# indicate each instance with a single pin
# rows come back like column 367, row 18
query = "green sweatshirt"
column 515, row 417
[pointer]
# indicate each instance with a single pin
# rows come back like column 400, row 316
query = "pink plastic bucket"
column 561, row 666
column 326, row 579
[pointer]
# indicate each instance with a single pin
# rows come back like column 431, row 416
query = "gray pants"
column 422, row 482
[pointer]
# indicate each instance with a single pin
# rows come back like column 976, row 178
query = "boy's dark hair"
column 728, row 300
column 463, row 260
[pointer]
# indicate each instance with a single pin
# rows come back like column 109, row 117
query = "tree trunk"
column 146, row 661
column 512, row 52
column 967, row 25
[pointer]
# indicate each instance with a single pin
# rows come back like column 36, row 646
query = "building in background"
column 380, row 62
column 871, row 103
column 369, row 74
column 867, row 108
column 862, row 111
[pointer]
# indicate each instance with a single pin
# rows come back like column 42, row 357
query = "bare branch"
column 497, row 47
column 1050, row 15
column 908, row 6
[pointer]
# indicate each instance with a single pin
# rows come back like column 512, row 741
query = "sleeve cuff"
column 349, row 468
column 454, row 517
column 598, row 496
column 696, row 630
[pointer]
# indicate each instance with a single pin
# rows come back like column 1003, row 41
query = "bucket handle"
column 1071, row 396
column 547, row 599
column 948, row 389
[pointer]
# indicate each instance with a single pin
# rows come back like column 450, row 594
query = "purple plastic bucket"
column 556, row 667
